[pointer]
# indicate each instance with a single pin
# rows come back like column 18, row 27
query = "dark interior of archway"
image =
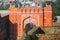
column 30, row 26
column 39, row 31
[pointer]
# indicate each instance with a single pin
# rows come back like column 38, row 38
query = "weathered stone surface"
column 57, row 30
column 51, row 30
column 18, row 38
column 48, row 37
column 57, row 37
column 56, row 24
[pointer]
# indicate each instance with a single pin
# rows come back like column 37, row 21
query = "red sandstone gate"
column 30, row 19
column 22, row 16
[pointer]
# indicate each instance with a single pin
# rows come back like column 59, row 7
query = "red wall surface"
column 19, row 17
column 48, row 16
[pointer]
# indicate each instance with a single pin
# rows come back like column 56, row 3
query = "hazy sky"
column 22, row 0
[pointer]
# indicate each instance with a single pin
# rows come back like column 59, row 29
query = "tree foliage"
column 2, row 7
column 18, row 3
column 56, row 8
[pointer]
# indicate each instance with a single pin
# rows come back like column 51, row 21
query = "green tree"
column 16, row 5
column 2, row 7
column 56, row 8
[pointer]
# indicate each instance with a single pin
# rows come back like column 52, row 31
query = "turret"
column 48, row 3
column 12, row 3
column 0, row 1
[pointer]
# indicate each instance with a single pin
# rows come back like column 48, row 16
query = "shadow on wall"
column 3, row 28
column 31, row 30
column 34, row 36
column 12, row 31
column 39, row 31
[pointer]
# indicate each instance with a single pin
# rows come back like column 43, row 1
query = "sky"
column 42, row 0
column 22, row 0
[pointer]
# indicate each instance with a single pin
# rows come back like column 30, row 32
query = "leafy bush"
column 2, row 7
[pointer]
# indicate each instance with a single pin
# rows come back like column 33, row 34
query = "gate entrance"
column 29, row 26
